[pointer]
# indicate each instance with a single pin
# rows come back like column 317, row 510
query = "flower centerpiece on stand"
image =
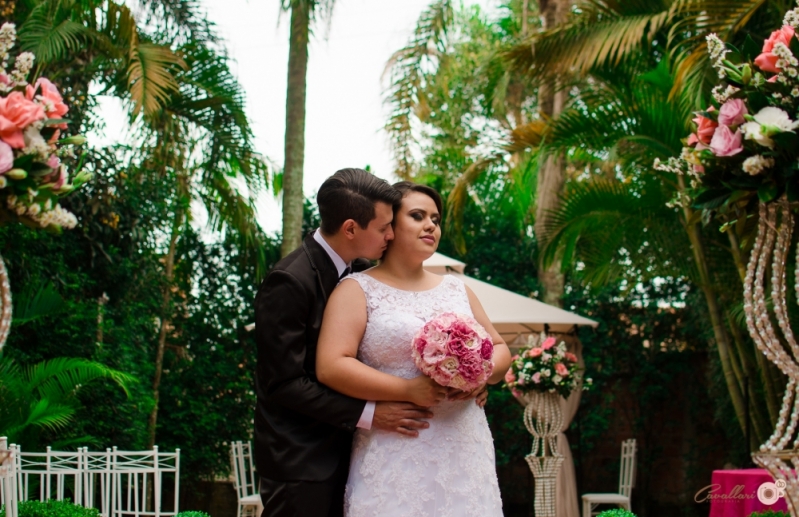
column 538, row 376
column 33, row 143
column 742, row 162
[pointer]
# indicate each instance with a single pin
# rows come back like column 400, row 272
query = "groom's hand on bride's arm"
column 401, row 417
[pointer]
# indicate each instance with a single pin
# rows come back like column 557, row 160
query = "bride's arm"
column 337, row 365
column 501, row 351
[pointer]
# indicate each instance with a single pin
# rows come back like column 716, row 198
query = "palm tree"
column 43, row 397
column 303, row 14
column 202, row 141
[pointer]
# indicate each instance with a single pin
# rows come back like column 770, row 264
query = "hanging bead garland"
column 774, row 231
column 5, row 304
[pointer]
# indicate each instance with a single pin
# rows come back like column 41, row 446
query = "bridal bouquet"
column 32, row 177
column 455, row 351
column 745, row 146
column 544, row 366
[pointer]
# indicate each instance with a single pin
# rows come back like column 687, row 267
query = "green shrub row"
column 53, row 508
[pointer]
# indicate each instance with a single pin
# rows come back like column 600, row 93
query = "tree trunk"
column 716, row 316
column 551, row 178
column 295, row 129
column 166, row 320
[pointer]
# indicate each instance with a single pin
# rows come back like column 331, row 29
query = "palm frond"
column 612, row 228
column 57, row 379
column 405, row 70
column 50, row 33
column 151, row 78
column 458, row 196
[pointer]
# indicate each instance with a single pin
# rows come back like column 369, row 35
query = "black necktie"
column 346, row 272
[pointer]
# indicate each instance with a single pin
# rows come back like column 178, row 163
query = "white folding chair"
column 97, row 480
column 8, row 478
column 626, row 483
column 49, row 475
column 241, row 460
column 137, row 482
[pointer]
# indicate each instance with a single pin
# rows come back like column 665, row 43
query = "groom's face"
column 371, row 241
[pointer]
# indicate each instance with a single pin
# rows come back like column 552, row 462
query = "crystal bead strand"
column 778, row 287
column 5, row 304
column 749, row 282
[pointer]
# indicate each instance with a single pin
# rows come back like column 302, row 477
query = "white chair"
column 241, row 460
column 49, row 475
column 98, row 480
column 626, row 483
column 137, row 482
column 8, row 478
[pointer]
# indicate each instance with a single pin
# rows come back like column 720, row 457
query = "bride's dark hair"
column 406, row 187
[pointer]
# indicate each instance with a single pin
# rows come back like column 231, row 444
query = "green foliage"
column 769, row 513
column 43, row 396
column 192, row 514
column 618, row 512
column 53, row 508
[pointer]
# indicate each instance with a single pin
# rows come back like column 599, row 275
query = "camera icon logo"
column 768, row 493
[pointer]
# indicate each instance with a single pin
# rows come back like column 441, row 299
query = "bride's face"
column 417, row 226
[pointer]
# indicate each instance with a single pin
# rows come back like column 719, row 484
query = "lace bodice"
column 394, row 316
column 449, row 469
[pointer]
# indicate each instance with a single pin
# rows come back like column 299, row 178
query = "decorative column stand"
column 774, row 231
column 544, row 420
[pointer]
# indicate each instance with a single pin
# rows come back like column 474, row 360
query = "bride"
column 370, row 320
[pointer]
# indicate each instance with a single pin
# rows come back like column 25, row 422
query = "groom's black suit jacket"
column 303, row 429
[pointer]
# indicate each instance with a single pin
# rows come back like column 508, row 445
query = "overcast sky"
column 345, row 112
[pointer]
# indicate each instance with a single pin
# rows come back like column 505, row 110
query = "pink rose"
column 548, row 343
column 471, row 369
column 725, row 142
column 6, row 157
column 61, row 178
column 561, row 370
column 535, row 352
column 537, row 377
column 767, row 61
column 5, row 79
column 732, row 112
column 487, row 349
column 16, row 114
column 53, row 162
column 514, row 357
column 570, row 356
column 705, row 127
column 510, row 377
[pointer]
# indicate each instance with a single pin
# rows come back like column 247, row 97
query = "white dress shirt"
column 368, row 414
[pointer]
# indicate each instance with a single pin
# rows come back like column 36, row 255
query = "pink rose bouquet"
column 544, row 366
column 745, row 146
column 455, row 351
column 32, row 147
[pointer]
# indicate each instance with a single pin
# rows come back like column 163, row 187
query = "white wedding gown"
column 449, row 470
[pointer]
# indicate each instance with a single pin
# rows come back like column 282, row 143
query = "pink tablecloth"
column 733, row 493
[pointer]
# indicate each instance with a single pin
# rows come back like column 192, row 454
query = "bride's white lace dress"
column 449, row 470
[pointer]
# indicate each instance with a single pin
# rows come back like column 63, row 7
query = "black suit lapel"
column 322, row 264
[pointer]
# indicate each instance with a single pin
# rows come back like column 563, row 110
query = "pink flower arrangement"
column 32, row 173
column 745, row 145
column 544, row 365
column 455, row 351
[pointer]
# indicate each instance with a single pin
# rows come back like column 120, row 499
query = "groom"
column 303, row 430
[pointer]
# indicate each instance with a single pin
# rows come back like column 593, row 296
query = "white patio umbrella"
column 511, row 314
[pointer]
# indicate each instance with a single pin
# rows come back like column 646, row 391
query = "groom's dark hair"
column 352, row 194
